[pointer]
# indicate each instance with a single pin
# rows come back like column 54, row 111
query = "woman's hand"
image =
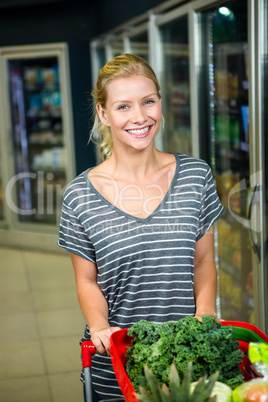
column 199, row 316
column 101, row 339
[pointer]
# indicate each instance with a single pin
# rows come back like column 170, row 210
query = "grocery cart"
column 243, row 332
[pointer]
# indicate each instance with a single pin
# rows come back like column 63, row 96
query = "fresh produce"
column 251, row 391
column 255, row 390
column 178, row 391
column 209, row 345
column 222, row 392
column 258, row 354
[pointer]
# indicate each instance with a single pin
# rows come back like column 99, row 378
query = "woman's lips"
column 141, row 132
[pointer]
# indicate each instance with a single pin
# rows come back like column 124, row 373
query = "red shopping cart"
column 243, row 332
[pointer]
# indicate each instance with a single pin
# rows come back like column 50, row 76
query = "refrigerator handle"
column 254, row 200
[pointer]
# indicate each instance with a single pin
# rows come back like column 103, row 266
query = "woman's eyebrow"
column 121, row 101
column 128, row 100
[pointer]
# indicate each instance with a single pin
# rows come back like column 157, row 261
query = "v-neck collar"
column 121, row 212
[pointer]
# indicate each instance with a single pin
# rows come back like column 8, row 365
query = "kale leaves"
column 209, row 345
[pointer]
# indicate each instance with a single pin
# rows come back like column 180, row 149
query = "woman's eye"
column 123, row 107
column 149, row 101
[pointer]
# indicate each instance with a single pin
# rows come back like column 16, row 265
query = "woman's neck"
column 134, row 165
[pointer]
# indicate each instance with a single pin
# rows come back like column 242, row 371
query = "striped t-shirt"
column 145, row 266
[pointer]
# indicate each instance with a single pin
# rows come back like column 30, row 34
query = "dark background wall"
column 75, row 22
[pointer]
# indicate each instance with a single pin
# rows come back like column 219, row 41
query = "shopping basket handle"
column 87, row 350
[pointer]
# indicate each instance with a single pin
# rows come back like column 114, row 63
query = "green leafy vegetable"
column 209, row 345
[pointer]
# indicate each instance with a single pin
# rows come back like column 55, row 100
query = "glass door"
column 1, row 191
column 265, row 131
column 38, row 141
column 224, row 124
column 174, row 74
column 38, row 125
column 261, row 19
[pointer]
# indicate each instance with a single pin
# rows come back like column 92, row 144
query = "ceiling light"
column 225, row 11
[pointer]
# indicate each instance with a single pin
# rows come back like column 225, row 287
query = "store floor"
column 40, row 328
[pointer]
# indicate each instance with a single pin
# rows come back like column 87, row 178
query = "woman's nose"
column 138, row 116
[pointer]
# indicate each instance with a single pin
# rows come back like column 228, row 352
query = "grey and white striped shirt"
column 145, row 266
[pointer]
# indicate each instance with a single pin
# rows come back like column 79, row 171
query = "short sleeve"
column 211, row 208
column 72, row 235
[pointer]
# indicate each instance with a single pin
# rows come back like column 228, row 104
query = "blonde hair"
column 121, row 66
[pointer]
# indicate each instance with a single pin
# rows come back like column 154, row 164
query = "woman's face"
column 133, row 111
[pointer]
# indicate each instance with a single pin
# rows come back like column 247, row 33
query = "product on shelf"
column 54, row 158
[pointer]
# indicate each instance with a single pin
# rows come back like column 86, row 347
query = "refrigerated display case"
column 264, row 103
column 38, row 127
column 1, row 193
column 225, row 115
column 258, row 16
column 175, row 84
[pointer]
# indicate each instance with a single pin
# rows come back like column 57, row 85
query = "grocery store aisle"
column 40, row 328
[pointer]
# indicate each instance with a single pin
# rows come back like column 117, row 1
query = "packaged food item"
column 31, row 75
column 255, row 390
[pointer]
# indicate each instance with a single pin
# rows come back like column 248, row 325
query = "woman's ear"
column 102, row 115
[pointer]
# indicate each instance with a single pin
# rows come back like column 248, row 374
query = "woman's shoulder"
column 77, row 185
column 192, row 161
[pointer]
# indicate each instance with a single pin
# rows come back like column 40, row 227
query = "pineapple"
column 178, row 391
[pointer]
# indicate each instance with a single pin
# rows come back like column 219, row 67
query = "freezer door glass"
column 1, row 192
column 38, row 139
column 139, row 45
column 175, row 86
column 265, row 150
column 224, row 116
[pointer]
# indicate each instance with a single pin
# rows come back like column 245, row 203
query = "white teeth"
column 139, row 132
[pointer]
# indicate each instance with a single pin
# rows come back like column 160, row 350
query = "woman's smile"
column 140, row 132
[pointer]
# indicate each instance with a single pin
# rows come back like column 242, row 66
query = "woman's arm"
column 92, row 303
column 205, row 276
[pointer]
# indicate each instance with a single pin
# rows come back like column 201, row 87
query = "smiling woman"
column 137, row 226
